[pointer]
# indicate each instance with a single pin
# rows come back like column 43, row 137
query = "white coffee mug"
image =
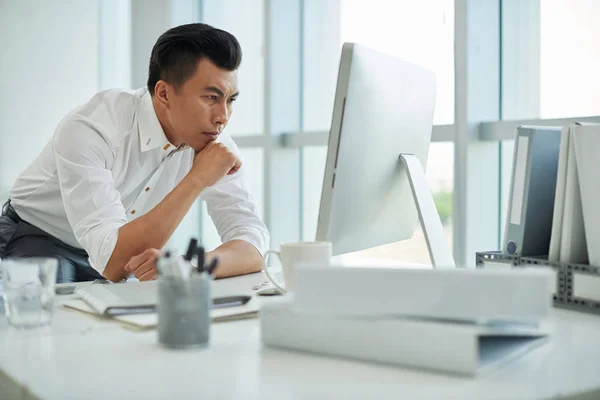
column 292, row 253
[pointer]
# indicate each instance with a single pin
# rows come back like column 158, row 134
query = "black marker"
column 191, row 250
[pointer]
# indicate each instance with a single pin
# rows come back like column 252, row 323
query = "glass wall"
column 247, row 25
column 404, row 29
column 569, row 58
column 421, row 32
column 552, row 67
column 548, row 52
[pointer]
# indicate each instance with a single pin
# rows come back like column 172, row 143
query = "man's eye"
column 212, row 97
column 232, row 100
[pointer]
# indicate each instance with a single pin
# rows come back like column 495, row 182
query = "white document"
column 586, row 138
column 445, row 346
column 515, row 294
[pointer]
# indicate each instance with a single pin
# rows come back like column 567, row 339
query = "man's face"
column 199, row 111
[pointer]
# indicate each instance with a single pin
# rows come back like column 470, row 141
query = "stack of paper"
column 463, row 321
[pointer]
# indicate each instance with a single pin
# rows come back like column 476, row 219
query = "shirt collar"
column 150, row 130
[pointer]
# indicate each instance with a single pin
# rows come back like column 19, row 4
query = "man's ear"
column 162, row 93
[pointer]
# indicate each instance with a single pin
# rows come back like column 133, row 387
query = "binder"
column 559, row 197
column 461, row 294
column 533, row 187
column 586, row 138
column 568, row 238
column 438, row 345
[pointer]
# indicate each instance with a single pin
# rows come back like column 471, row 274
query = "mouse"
column 269, row 291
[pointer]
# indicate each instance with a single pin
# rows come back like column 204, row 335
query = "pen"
column 191, row 250
column 212, row 266
column 200, row 254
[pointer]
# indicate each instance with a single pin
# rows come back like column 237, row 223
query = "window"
column 551, row 58
column 569, row 58
column 421, row 32
column 247, row 25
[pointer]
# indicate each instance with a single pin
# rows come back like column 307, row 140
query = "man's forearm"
column 153, row 229
column 236, row 257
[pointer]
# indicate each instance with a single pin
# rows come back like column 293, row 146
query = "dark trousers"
column 20, row 239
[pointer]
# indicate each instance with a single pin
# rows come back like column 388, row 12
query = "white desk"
column 83, row 357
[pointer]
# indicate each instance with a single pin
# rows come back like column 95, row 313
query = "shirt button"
column 147, row 189
column 133, row 211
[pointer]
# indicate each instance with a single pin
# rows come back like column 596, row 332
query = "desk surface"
column 82, row 356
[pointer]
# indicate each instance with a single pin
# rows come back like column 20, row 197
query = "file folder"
column 466, row 294
column 568, row 239
column 533, row 187
column 586, row 138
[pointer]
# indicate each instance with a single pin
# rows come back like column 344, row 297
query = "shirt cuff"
column 100, row 254
column 258, row 240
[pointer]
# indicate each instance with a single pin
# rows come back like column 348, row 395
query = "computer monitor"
column 374, row 187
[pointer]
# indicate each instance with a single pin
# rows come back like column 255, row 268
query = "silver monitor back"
column 383, row 107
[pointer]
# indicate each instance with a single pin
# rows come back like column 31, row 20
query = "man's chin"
column 199, row 145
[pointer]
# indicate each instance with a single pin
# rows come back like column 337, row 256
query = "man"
column 123, row 169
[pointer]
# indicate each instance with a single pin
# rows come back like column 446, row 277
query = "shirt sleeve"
column 233, row 209
column 92, row 203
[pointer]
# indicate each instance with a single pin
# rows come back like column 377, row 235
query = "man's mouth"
column 212, row 135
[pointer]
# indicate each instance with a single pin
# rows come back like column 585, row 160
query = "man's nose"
column 221, row 114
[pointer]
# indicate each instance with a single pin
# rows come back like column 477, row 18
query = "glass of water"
column 29, row 290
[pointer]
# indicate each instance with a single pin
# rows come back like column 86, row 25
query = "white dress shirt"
column 108, row 163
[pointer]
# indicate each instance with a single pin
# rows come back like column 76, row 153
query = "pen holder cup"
column 184, row 312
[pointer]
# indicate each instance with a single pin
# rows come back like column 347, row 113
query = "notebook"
column 136, row 298
column 150, row 320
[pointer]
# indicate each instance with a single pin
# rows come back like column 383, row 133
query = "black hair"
column 177, row 52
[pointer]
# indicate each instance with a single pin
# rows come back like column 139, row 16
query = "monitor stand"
column 437, row 244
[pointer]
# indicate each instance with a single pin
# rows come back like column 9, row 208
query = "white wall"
column 48, row 65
